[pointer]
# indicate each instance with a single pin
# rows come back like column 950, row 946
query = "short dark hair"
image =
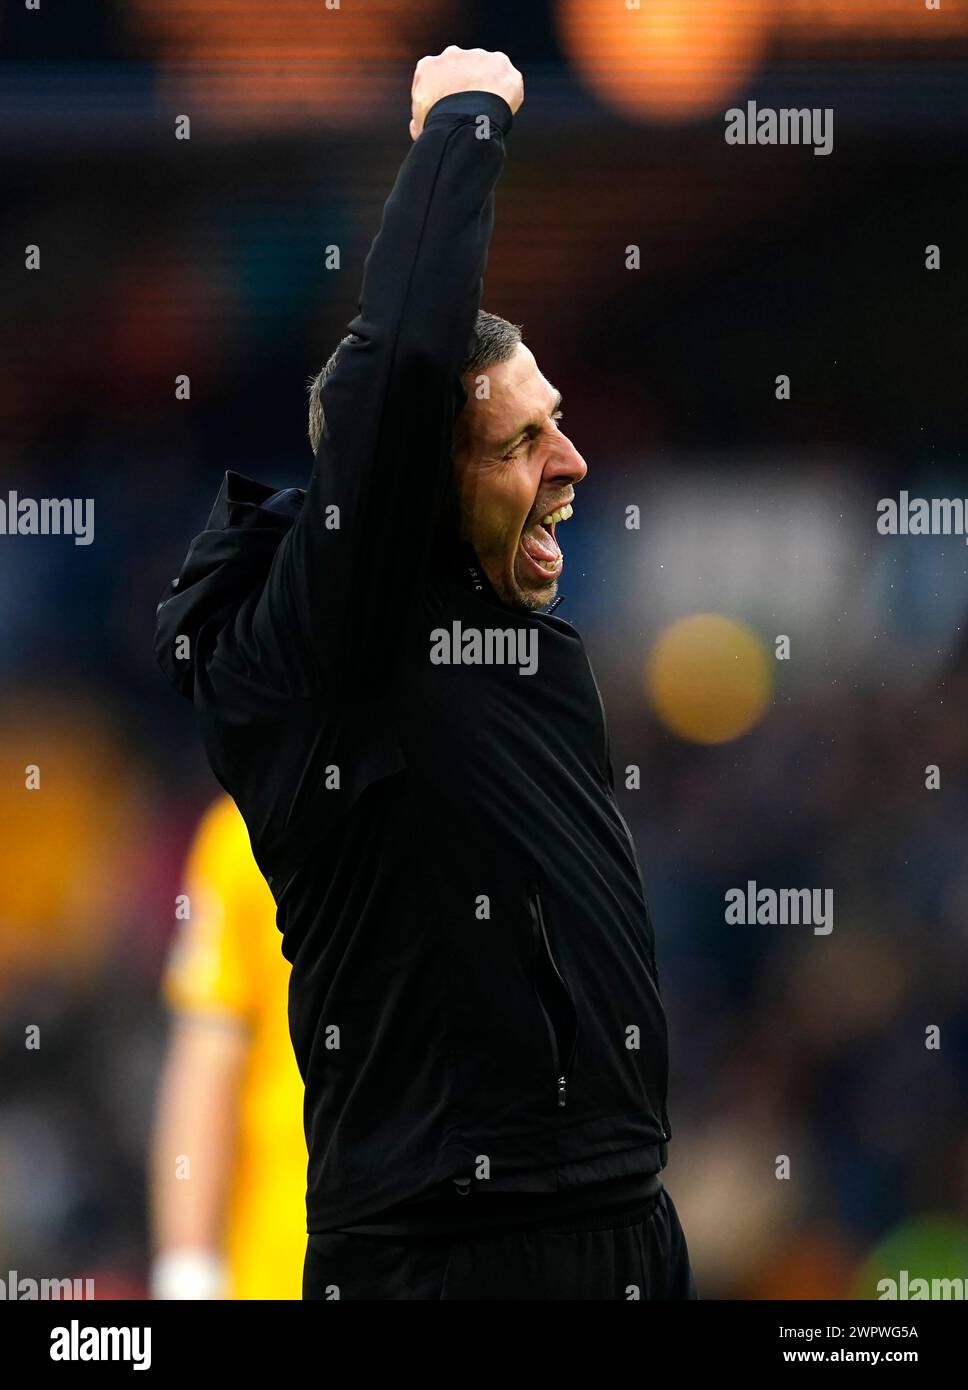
column 495, row 340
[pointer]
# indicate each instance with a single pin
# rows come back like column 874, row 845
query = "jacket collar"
column 463, row 565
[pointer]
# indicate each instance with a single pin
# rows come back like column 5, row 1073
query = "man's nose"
column 566, row 463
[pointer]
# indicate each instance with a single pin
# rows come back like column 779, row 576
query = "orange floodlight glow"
column 708, row 678
column 680, row 60
column 667, row 59
column 249, row 62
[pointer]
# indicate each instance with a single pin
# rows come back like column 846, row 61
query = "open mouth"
column 540, row 547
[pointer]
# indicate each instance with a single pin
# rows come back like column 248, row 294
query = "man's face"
column 514, row 470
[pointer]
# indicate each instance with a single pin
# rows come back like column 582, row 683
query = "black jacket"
column 474, row 991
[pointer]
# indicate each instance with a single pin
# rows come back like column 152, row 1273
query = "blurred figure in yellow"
column 228, row 1158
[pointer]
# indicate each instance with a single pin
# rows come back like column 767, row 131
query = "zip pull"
column 562, row 1091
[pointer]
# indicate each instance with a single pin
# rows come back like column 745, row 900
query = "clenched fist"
column 462, row 70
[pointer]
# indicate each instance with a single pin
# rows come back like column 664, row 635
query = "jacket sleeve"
column 344, row 586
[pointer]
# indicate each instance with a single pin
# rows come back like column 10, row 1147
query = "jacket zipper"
column 543, row 946
column 606, row 740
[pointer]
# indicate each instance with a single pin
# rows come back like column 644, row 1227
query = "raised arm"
column 346, row 581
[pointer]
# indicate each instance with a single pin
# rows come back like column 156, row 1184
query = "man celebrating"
column 473, row 1005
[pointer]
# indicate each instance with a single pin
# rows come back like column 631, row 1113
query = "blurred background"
column 204, row 257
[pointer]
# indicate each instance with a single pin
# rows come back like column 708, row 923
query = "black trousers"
column 640, row 1256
